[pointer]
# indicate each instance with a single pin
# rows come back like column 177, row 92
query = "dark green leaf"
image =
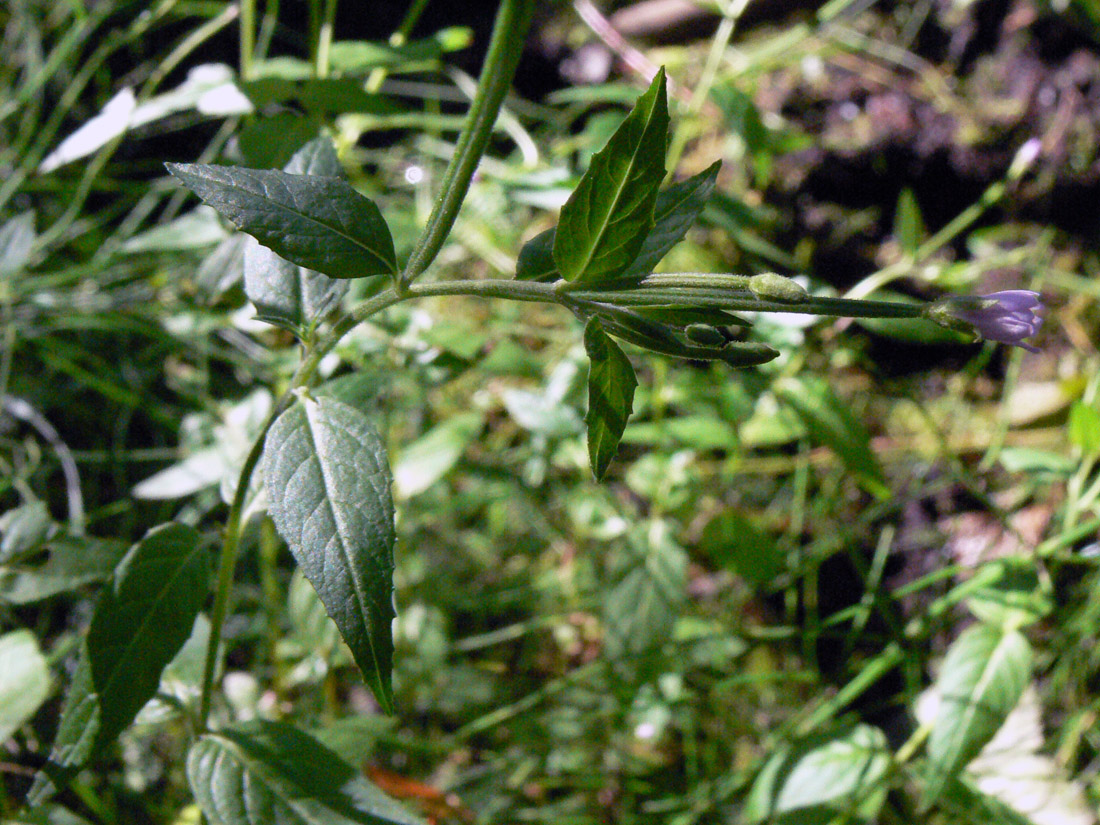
column 736, row 543
column 830, row 421
column 71, row 562
column 142, row 618
column 328, row 484
column 270, row 142
column 822, row 780
column 675, row 211
column 606, row 219
column 536, row 258
column 316, row 221
column 24, row 680
column 324, row 95
column 284, row 293
column 262, row 772
column 980, row 682
column 611, row 384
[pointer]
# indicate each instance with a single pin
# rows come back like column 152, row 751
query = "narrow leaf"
column 982, row 678
column 319, row 222
column 329, row 489
column 611, row 384
column 606, row 219
column 142, row 618
column 262, row 772
column 676, row 209
column 908, row 223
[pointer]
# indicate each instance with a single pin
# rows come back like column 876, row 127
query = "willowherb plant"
column 324, row 465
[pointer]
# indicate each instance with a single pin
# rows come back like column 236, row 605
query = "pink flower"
column 1007, row 317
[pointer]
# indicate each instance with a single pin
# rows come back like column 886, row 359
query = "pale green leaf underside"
column 982, row 678
column 266, row 772
column 608, row 216
column 328, row 484
column 319, row 222
column 24, row 680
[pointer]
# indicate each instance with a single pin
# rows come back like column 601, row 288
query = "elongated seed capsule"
column 774, row 287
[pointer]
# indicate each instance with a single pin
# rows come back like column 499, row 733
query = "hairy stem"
column 509, row 32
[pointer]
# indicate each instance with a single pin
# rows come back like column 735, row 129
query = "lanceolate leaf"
column 611, row 384
column 676, row 210
column 329, row 489
column 142, row 618
column 319, row 222
column 607, row 218
column 265, row 772
column 983, row 676
column 284, row 293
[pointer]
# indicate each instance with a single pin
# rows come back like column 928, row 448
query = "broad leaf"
column 822, row 780
column 640, row 611
column 264, row 772
column 676, row 209
column 24, row 680
column 319, row 222
column 142, row 618
column 606, row 219
column 328, row 484
column 830, row 421
column 981, row 680
column 611, row 385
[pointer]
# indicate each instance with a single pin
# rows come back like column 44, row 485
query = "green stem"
column 505, row 47
column 507, row 290
column 248, row 37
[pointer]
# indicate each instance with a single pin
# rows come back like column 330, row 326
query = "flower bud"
column 705, row 334
column 771, row 286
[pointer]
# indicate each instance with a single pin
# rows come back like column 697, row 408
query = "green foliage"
column 607, row 218
column 328, row 484
column 981, row 680
column 314, row 221
column 611, row 384
column 261, row 772
column 737, row 624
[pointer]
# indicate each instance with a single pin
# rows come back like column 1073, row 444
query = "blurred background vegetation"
column 779, row 558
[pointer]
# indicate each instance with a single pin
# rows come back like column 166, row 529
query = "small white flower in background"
column 1007, row 317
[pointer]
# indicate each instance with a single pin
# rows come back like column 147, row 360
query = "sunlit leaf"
column 319, row 222
column 606, row 219
column 328, row 484
column 263, row 772
column 981, row 680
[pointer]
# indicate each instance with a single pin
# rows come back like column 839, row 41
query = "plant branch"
column 509, row 32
